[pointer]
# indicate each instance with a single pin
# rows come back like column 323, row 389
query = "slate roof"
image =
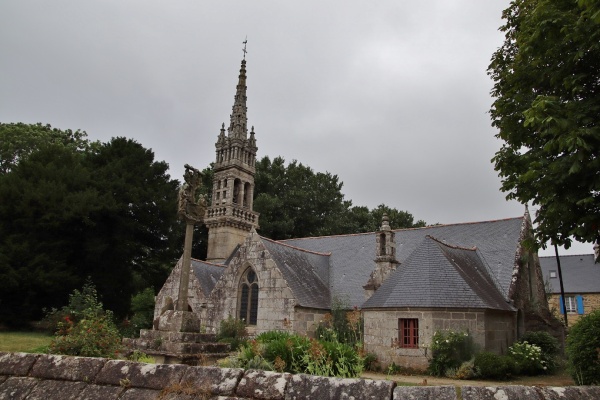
column 306, row 272
column 352, row 256
column 317, row 269
column 207, row 273
column 438, row 275
column 580, row 274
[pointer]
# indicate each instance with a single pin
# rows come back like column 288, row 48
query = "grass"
column 28, row 342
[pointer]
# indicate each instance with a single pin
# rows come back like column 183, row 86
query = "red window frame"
column 408, row 333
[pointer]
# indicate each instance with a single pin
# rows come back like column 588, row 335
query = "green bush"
column 549, row 345
column 341, row 325
column 528, row 358
column 545, row 341
column 93, row 336
column 494, row 366
column 583, row 349
column 293, row 353
column 232, row 331
column 80, row 302
column 85, row 328
column 449, row 350
column 285, row 346
column 142, row 307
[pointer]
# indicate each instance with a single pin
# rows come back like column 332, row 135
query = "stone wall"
column 490, row 331
column 306, row 320
column 35, row 376
column 170, row 292
column 500, row 331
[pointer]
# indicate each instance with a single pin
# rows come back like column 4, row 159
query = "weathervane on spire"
column 244, row 49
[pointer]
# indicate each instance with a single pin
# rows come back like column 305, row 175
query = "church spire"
column 230, row 216
column 238, row 128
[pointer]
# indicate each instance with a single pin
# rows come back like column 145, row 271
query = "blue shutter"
column 561, row 306
column 579, row 304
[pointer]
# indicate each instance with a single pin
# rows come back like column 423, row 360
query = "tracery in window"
column 248, row 297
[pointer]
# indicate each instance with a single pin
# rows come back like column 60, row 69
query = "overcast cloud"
column 392, row 96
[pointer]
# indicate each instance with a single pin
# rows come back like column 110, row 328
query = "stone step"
column 176, row 347
column 151, row 334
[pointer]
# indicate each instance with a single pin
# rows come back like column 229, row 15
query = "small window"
column 552, row 274
column 570, row 304
column 408, row 332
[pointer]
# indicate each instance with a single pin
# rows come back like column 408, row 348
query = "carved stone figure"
column 190, row 206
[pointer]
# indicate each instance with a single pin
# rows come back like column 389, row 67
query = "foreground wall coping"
column 43, row 376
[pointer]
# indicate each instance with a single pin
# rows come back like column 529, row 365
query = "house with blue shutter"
column 581, row 281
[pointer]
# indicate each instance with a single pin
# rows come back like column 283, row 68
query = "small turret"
column 385, row 257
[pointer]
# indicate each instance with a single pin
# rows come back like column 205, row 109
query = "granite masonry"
column 41, row 376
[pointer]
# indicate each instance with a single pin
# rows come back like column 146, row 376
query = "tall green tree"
column 106, row 211
column 547, row 103
column 135, row 233
column 46, row 207
column 18, row 140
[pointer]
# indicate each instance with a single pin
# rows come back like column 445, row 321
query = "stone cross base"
column 179, row 321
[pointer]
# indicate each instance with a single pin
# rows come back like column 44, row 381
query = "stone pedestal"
column 179, row 321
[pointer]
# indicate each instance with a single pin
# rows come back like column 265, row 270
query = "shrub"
column 232, row 331
column 142, row 307
column 449, row 350
column 467, row 370
column 347, row 326
column 549, row 345
column 80, row 302
column 370, row 362
column 282, row 351
column 85, row 329
column 494, row 366
column 545, row 341
column 285, row 346
column 528, row 358
column 140, row 356
column 93, row 336
column 583, row 349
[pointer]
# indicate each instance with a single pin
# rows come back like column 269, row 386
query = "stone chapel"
column 408, row 283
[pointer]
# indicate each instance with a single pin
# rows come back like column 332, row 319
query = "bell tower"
column 230, row 216
column 385, row 260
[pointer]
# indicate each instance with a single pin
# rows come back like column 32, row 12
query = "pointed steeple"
column 238, row 128
column 230, row 217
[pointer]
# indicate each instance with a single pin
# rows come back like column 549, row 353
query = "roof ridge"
column 456, row 223
column 327, row 236
column 208, row 262
column 568, row 255
column 452, row 246
column 295, row 247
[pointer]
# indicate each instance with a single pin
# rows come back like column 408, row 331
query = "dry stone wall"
column 41, row 376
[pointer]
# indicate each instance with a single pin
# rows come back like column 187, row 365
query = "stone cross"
column 191, row 209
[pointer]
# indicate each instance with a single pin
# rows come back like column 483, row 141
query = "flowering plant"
column 529, row 358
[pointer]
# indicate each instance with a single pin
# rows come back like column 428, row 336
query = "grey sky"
column 392, row 96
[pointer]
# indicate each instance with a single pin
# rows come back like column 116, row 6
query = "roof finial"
column 245, row 42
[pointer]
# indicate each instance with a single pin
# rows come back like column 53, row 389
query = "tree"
column 19, row 140
column 107, row 212
column 294, row 201
column 47, row 200
column 135, row 233
column 547, row 81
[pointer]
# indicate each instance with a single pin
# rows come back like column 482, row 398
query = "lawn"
column 29, row 342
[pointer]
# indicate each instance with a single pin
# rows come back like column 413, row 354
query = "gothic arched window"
column 248, row 297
